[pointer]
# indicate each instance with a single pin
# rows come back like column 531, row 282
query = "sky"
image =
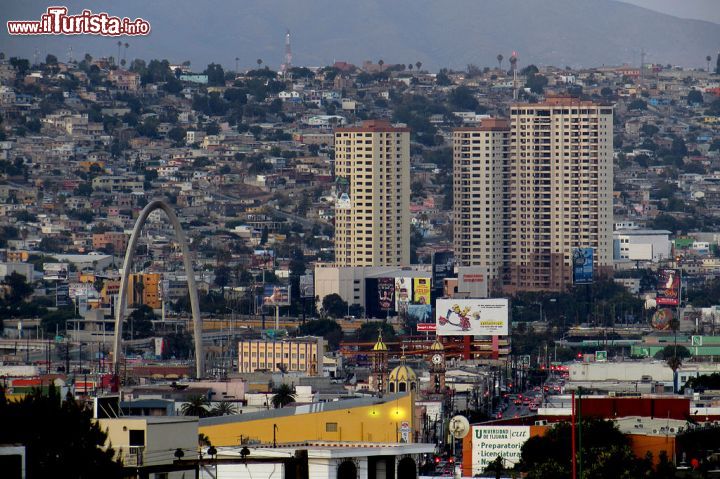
column 222, row 30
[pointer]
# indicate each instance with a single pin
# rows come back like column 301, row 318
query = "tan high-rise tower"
column 559, row 192
column 480, row 155
column 372, row 180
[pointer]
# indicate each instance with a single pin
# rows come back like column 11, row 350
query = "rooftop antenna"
column 513, row 65
column 287, row 65
column 642, row 66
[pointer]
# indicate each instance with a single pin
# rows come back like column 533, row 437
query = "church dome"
column 402, row 373
column 380, row 345
column 437, row 346
column 402, row 379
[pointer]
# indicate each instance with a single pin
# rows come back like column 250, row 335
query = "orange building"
column 118, row 241
column 144, row 288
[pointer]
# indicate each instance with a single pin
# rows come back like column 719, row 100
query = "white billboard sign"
column 471, row 317
column 489, row 442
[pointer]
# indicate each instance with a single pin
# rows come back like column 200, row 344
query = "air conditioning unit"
column 542, row 422
column 655, row 431
column 672, row 429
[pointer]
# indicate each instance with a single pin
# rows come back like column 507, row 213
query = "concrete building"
column 559, row 192
column 150, row 440
column 350, row 282
column 642, row 245
column 144, row 288
column 321, row 460
column 372, row 180
column 296, row 354
column 479, row 158
column 367, row 419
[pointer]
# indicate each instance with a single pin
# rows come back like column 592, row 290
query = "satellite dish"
column 459, row 427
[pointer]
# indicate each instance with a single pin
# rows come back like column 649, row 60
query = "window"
column 136, row 437
column 330, row 427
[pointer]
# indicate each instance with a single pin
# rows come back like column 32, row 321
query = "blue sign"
column 582, row 265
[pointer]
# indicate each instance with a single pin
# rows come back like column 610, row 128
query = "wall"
column 374, row 423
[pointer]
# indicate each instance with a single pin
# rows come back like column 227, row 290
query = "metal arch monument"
column 194, row 302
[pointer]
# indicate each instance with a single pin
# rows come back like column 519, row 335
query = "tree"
column 282, row 396
column 668, row 352
column 462, row 98
column 605, row 453
column 369, row 331
column 223, row 408
column 222, row 277
column 536, row 82
column 418, row 65
column 61, row 437
column 381, row 63
column 695, row 97
column 327, row 328
column 140, row 323
column 637, row 104
column 196, row 406
column 334, row 306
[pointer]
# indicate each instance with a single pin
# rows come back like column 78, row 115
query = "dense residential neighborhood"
column 311, row 311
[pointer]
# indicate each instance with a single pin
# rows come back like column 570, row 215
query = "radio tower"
column 513, row 64
column 287, row 65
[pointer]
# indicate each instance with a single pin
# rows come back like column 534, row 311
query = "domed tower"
column 402, row 378
column 437, row 367
column 379, row 365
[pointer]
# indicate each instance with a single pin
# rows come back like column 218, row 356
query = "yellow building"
column 144, row 288
column 296, row 354
column 387, row 419
column 372, row 211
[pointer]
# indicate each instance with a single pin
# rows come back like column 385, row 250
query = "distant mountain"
column 438, row 33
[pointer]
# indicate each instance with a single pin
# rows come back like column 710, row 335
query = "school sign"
column 489, row 442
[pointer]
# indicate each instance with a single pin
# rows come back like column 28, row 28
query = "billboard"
column 386, row 293
column 582, row 259
column 342, row 190
column 668, row 287
column 422, row 315
column 403, row 293
column 276, row 295
column 489, row 442
column 55, row 271
column 470, row 317
column 307, row 286
column 421, row 291
column 662, row 319
column 443, row 266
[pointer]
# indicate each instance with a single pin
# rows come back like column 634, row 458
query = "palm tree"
column 410, row 66
column 381, row 63
column 259, row 62
column 196, row 406
column 124, row 60
column 708, row 59
column 500, row 59
column 119, row 44
column 223, row 408
column 283, row 395
column 418, row 64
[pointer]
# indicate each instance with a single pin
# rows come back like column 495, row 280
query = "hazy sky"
column 698, row 9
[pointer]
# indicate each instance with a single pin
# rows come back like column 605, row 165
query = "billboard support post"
column 277, row 318
column 466, row 347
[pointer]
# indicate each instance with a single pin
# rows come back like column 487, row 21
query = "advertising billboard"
column 662, row 319
column 582, row 265
column 668, row 287
column 386, row 293
column 421, row 291
column 489, row 442
column 342, row 190
column 470, row 317
column 307, row 286
column 403, row 293
column 55, row 271
column 443, row 266
column 276, row 295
